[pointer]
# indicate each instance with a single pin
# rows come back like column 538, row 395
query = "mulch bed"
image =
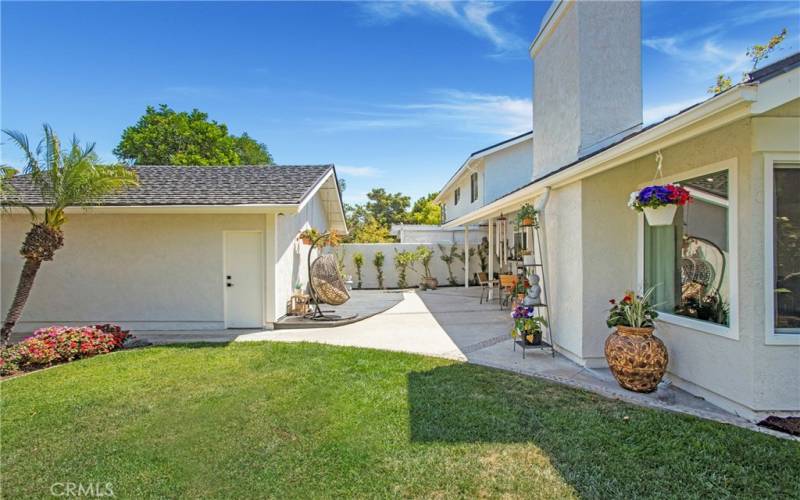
column 789, row 425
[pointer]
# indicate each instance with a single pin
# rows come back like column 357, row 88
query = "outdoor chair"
column 325, row 284
column 487, row 285
column 508, row 282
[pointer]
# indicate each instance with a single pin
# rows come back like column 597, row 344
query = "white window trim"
column 732, row 330
column 771, row 336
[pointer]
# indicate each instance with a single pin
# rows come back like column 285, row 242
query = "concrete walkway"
column 450, row 323
column 406, row 327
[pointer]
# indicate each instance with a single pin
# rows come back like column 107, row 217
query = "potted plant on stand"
column 659, row 203
column 636, row 357
column 528, row 325
column 526, row 216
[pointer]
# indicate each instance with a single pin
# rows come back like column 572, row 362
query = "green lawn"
column 304, row 420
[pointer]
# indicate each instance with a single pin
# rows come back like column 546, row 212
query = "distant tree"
column 722, row 84
column 756, row 53
column 342, row 185
column 425, row 211
column 387, row 208
column 65, row 178
column 252, row 152
column 165, row 137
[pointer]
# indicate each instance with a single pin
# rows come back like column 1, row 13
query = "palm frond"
column 21, row 140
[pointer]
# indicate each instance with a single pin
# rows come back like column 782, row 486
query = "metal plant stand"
column 543, row 308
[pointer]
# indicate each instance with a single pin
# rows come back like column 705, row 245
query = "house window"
column 520, row 242
column 689, row 261
column 473, row 187
column 786, row 248
column 456, row 196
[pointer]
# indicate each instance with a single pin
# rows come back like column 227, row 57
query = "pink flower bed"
column 60, row 344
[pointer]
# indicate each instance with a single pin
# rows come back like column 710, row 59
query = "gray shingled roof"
column 172, row 185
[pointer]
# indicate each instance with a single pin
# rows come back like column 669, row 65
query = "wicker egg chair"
column 325, row 284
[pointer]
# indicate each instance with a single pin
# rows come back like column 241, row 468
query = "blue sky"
column 396, row 94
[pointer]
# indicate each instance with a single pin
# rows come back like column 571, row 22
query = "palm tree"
column 64, row 178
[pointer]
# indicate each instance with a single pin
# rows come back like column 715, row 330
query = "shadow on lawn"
column 602, row 447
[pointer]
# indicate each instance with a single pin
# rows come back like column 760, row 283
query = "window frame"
column 732, row 330
column 771, row 336
column 473, row 187
column 456, row 196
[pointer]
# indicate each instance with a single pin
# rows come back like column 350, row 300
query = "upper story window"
column 786, row 248
column 473, row 187
column 456, row 196
column 689, row 261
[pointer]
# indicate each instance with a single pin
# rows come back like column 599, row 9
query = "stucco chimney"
column 587, row 84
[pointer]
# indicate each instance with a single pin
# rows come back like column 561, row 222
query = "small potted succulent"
column 659, row 203
column 528, row 325
column 521, row 288
column 636, row 357
column 526, row 216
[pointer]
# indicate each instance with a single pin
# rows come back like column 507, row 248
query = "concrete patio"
column 451, row 323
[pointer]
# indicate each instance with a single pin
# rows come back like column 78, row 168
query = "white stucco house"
column 739, row 154
column 191, row 248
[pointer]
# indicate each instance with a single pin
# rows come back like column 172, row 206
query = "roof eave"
column 615, row 155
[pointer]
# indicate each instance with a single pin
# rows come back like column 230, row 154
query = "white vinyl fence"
column 369, row 274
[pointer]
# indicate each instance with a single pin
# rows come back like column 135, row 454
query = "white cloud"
column 718, row 48
column 497, row 115
column 474, row 17
column 658, row 112
column 357, row 171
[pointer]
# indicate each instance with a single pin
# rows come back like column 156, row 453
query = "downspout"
column 540, row 205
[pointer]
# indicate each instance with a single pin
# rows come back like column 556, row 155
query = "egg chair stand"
column 325, row 285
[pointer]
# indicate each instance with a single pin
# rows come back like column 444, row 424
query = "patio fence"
column 413, row 275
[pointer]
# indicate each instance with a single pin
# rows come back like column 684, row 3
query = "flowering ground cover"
column 308, row 421
column 60, row 344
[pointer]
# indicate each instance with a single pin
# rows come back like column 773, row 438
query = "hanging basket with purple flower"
column 659, row 203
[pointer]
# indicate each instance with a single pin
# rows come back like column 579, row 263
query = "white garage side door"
column 244, row 279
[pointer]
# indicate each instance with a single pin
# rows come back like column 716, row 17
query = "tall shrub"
column 402, row 261
column 378, row 263
column 448, row 257
column 358, row 261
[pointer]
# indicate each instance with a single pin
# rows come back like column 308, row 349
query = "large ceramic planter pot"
column 431, row 283
column 661, row 216
column 637, row 358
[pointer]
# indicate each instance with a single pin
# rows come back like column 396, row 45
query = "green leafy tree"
column 425, row 211
column 364, row 227
column 64, row 177
column 388, row 208
column 756, row 53
column 252, row 152
column 165, row 137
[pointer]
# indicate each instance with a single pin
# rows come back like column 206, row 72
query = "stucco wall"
column 369, row 273
column 563, row 224
column 147, row 272
column 742, row 375
column 453, row 211
column 507, row 170
column 587, row 81
column 291, row 263
column 556, row 101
